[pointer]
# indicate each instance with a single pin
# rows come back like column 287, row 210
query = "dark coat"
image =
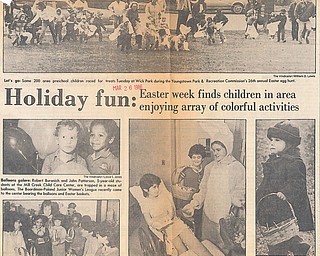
column 287, row 174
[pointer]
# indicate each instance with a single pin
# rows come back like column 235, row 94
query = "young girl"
column 285, row 172
column 104, row 137
column 159, row 212
column 59, row 234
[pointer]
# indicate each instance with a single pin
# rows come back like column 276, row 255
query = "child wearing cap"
column 285, row 172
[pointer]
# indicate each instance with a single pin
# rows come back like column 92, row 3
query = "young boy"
column 59, row 22
column 282, row 20
column 189, row 180
column 220, row 20
column 58, row 236
column 65, row 160
column 103, row 138
column 70, row 27
column 75, row 240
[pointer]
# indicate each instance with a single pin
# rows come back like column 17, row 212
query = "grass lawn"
column 236, row 55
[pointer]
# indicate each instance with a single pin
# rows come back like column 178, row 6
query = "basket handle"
column 275, row 194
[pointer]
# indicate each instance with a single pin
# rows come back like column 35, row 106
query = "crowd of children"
column 51, row 233
column 26, row 25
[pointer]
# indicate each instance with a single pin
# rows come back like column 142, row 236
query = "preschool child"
column 220, row 20
column 58, row 238
column 65, row 159
column 285, row 173
column 59, row 22
column 189, row 179
column 103, row 134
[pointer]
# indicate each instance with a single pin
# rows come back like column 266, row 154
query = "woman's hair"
column 44, row 204
column 147, row 181
column 197, row 149
column 70, row 124
column 219, row 143
column 9, row 220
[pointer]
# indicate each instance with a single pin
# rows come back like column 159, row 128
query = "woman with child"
column 222, row 187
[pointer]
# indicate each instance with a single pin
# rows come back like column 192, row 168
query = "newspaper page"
column 159, row 127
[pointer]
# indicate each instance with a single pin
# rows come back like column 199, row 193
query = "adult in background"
column 294, row 23
column 46, row 14
column 153, row 12
column 118, row 9
column 183, row 8
column 303, row 12
column 133, row 16
column 268, row 9
column 198, row 11
column 13, row 240
column 222, row 187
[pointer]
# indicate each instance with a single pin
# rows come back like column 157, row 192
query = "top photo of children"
column 159, row 36
column 61, row 147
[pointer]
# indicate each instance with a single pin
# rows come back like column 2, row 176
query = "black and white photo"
column 159, row 36
column 55, row 147
column 61, row 227
column 187, row 187
column 285, row 195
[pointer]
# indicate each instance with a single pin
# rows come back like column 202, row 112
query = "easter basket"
column 178, row 189
column 274, row 229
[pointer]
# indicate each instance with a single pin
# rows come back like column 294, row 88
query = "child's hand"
column 188, row 210
column 281, row 196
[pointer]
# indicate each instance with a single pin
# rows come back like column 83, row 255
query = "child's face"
column 99, row 138
column 47, row 210
column 75, row 221
column 153, row 191
column 57, row 223
column 67, row 139
column 17, row 225
column 277, row 145
column 219, row 152
column 39, row 223
column 196, row 160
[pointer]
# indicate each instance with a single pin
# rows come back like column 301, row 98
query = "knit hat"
column 286, row 131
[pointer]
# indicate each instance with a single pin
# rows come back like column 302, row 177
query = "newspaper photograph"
column 285, row 186
column 159, row 128
column 61, row 147
column 159, row 36
column 55, row 228
column 203, row 166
